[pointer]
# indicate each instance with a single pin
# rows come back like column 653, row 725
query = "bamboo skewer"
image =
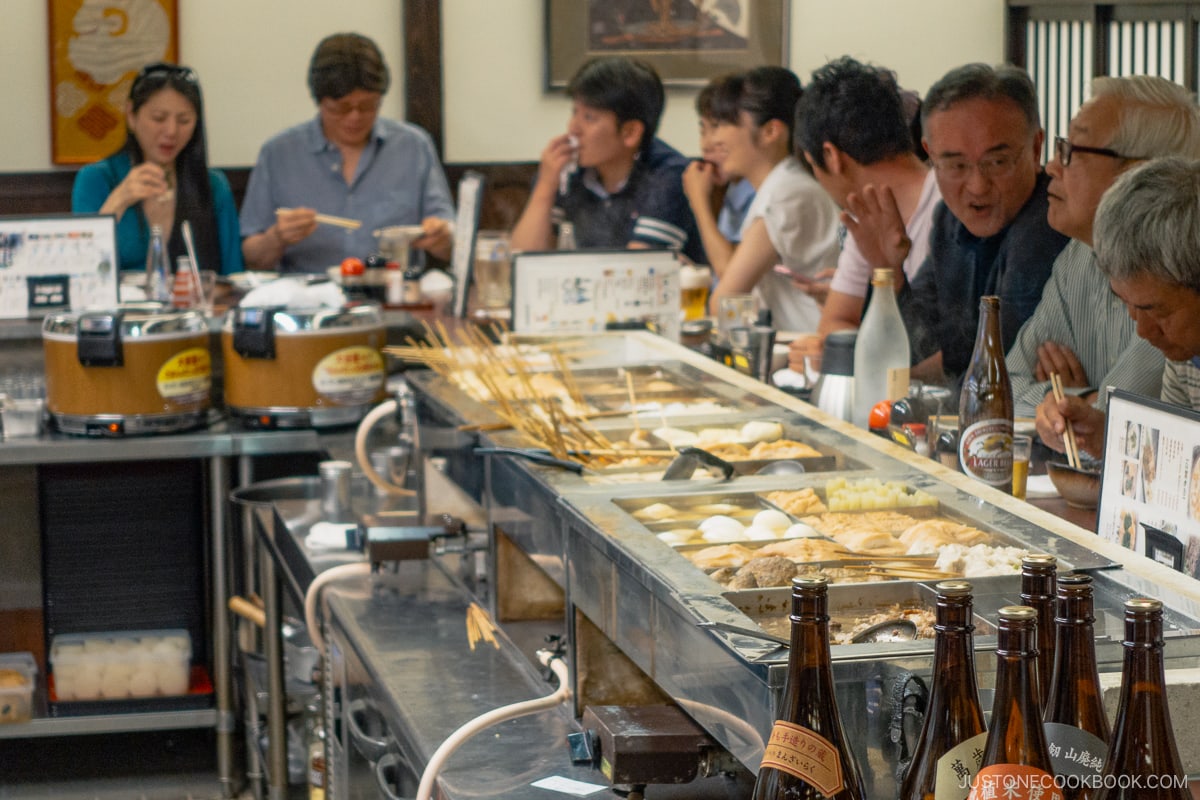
column 480, row 627
column 1069, row 438
column 330, row 219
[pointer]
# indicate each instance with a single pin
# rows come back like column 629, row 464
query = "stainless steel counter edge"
column 220, row 439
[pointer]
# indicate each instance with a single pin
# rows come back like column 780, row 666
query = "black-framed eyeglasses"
column 1064, row 150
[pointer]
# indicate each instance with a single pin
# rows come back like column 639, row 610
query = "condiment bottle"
column 183, row 288
column 1077, row 730
column 412, row 285
column 881, row 353
column 1038, row 572
column 985, row 406
column 808, row 756
column 1142, row 761
column 1016, row 763
column 394, row 282
column 953, row 734
column 158, row 271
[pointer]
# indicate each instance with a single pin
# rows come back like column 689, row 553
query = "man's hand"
column 294, row 224
column 1088, row 423
column 804, row 353
column 874, row 220
column 557, row 154
column 437, row 238
column 1054, row 357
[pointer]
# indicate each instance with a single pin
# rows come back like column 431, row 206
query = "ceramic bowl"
column 1079, row 487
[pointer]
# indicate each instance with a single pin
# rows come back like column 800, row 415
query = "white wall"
column 252, row 54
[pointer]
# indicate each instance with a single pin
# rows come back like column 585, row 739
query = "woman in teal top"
column 160, row 176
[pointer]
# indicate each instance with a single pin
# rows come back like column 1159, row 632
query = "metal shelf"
column 111, row 723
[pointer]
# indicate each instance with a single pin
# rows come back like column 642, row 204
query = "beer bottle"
column 952, row 736
column 807, row 756
column 1038, row 572
column 985, row 406
column 1016, row 764
column 1142, row 761
column 1076, row 725
column 881, row 354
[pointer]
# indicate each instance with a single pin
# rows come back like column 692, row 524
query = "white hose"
column 313, row 595
column 494, row 717
column 384, row 409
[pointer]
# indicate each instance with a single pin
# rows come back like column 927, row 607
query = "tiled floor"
column 171, row 765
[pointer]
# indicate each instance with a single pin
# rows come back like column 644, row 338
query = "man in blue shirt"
column 627, row 191
column 347, row 162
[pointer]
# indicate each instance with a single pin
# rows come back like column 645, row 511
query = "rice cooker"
column 297, row 368
column 136, row 369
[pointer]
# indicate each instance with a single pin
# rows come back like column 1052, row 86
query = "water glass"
column 735, row 311
column 493, row 270
column 22, row 404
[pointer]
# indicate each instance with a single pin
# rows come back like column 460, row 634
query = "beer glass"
column 1022, row 447
column 493, row 270
column 693, row 291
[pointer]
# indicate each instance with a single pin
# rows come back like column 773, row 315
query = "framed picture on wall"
column 96, row 50
column 687, row 41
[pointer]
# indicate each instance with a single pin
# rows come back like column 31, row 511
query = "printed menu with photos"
column 1150, row 491
column 57, row 263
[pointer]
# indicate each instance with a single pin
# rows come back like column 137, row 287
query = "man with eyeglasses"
column 1080, row 329
column 989, row 235
column 347, row 162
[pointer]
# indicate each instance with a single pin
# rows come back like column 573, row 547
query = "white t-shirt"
column 802, row 225
column 853, row 274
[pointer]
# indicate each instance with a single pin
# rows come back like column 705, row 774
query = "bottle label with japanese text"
column 186, row 377
column 349, row 376
column 806, row 755
column 897, row 383
column 957, row 767
column 985, row 451
column 1014, row 782
column 1076, row 755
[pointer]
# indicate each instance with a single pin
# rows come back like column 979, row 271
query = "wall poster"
column 96, row 50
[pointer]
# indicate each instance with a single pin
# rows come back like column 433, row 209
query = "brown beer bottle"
column 1142, row 761
column 1076, row 725
column 952, row 736
column 1038, row 572
column 985, row 406
column 1016, row 764
column 807, row 756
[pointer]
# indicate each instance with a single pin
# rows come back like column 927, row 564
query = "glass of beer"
column 1022, row 448
column 693, row 291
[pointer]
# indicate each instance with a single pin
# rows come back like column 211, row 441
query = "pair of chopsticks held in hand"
column 1056, row 386
column 330, row 219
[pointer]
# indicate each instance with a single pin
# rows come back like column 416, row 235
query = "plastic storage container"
column 119, row 665
column 18, row 674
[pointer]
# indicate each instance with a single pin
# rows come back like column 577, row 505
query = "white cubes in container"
column 121, row 665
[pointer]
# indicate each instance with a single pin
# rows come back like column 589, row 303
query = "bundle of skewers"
column 546, row 406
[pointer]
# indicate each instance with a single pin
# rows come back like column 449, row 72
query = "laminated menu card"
column 1150, row 489
column 57, row 263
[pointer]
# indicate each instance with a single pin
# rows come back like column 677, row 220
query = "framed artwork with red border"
column 96, row 50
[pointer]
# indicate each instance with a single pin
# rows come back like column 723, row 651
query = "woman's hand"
column 699, row 182
column 144, row 182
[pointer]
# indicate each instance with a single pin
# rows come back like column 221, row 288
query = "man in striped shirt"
column 1147, row 238
column 1080, row 328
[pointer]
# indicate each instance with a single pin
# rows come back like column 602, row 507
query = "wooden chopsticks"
column 330, row 219
column 1069, row 439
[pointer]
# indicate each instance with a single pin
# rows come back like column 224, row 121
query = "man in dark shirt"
column 627, row 190
column 990, row 236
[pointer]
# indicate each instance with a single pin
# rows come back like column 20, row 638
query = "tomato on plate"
column 353, row 266
column 880, row 416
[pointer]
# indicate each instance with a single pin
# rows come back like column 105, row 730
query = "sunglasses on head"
column 161, row 69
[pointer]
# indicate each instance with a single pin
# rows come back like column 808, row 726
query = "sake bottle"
column 953, row 735
column 1076, row 726
column 985, row 405
column 1143, row 761
column 1038, row 572
column 1016, row 764
column 881, row 351
column 159, row 283
column 807, row 756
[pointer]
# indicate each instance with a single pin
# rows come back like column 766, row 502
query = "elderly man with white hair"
column 1080, row 329
column 1147, row 237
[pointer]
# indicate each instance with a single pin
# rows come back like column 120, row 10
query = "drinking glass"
column 493, row 270
column 735, row 311
column 1022, row 447
column 693, row 291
